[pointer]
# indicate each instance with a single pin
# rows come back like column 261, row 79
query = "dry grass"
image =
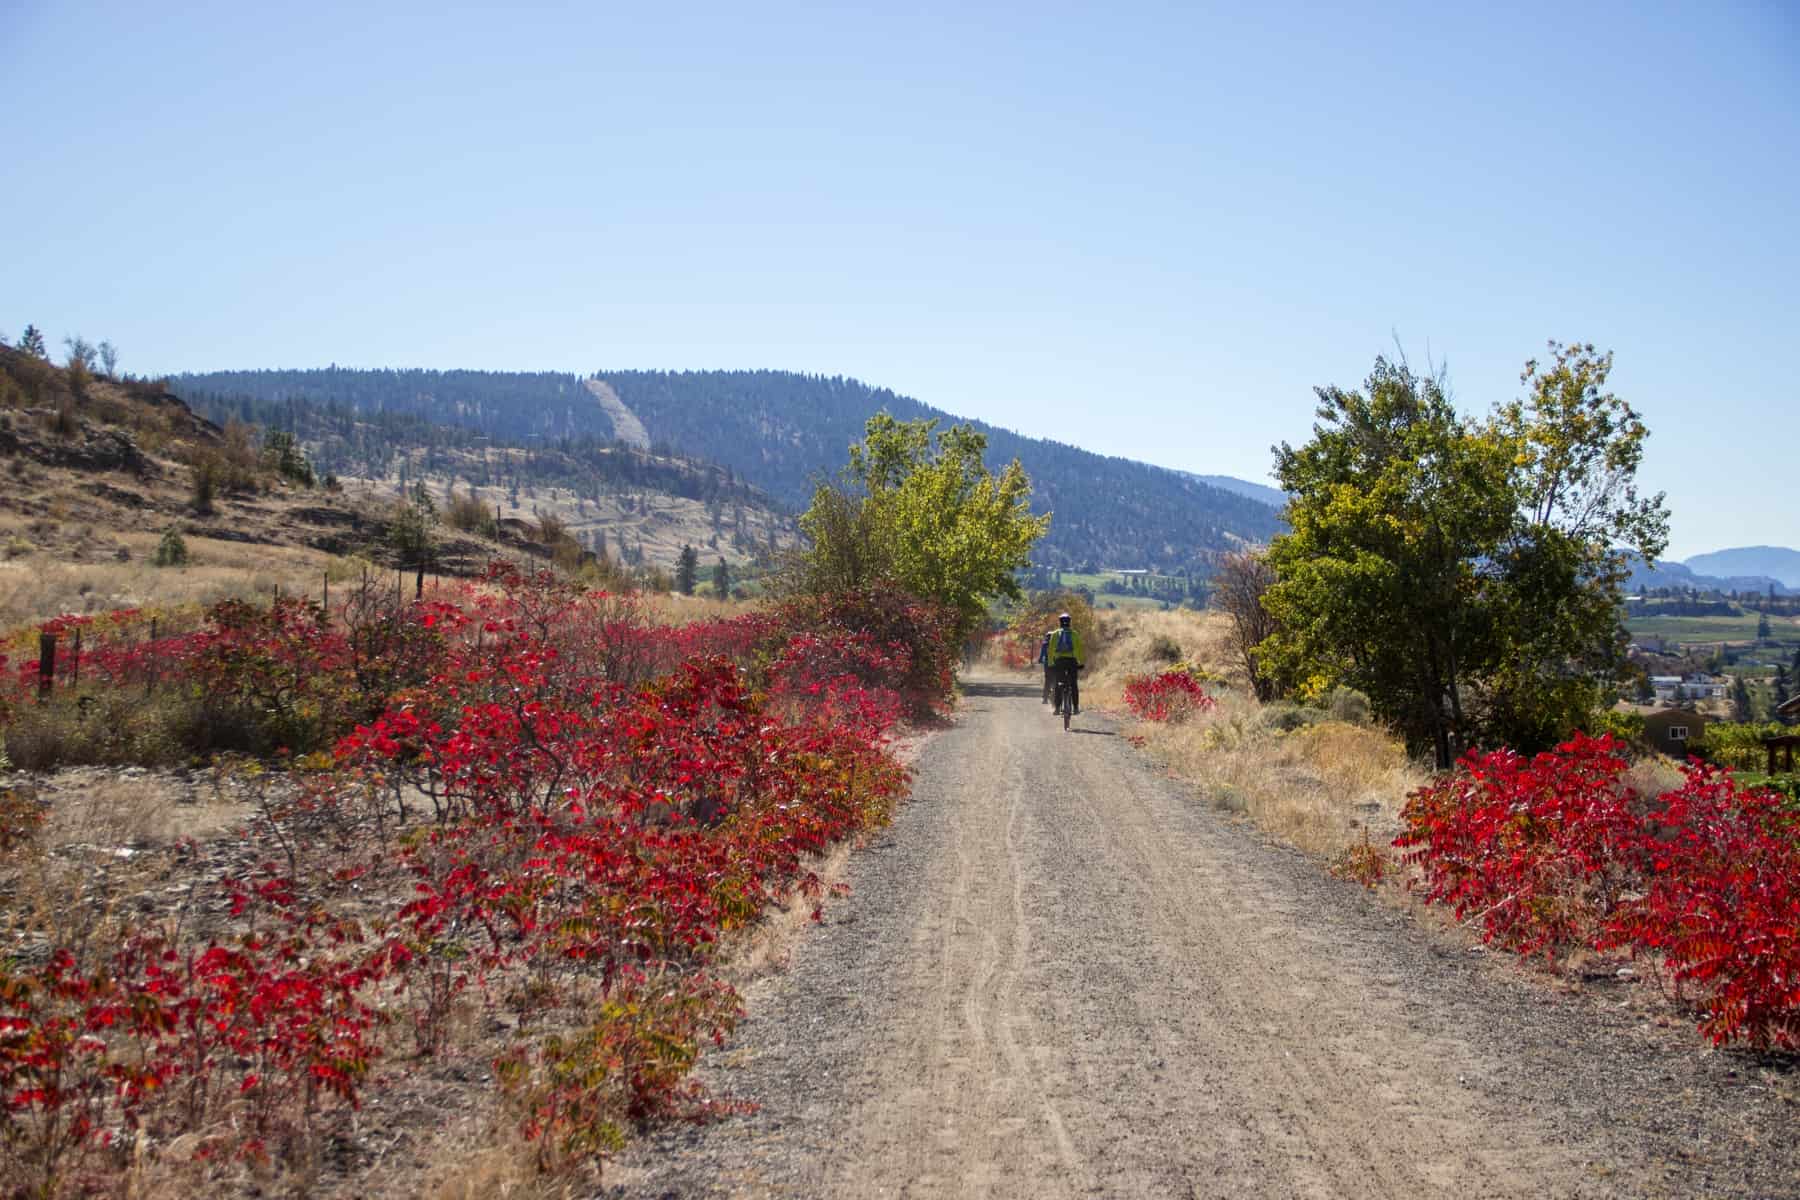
column 489, row 1161
column 673, row 608
column 1126, row 649
column 80, row 880
column 36, row 586
column 108, row 810
column 1320, row 787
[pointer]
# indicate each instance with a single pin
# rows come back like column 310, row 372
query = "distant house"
column 1672, row 730
column 1790, row 710
column 1649, row 645
column 1699, row 686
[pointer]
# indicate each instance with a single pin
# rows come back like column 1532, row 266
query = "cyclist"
column 1065, row 658
column 1044, row 658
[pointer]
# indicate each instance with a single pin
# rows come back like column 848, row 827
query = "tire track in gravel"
column 1062, row 974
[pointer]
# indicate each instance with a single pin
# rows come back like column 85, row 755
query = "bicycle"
column 1067, row 693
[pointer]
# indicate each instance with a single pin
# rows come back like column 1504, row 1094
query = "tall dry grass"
column 1318, row 783
column 1130, row 643
column 34, row 587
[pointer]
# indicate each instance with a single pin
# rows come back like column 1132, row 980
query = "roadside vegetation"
column 484, row 835
column 1417, row 684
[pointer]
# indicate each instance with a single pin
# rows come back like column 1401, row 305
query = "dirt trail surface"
column 1061, row 974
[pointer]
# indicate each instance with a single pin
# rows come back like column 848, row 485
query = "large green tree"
column 1561, row 570
column 919, row 508
column 1463, row 573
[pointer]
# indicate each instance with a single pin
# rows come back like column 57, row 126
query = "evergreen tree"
column 722, row 578
column 1762, row 626
column 1740, row 700
column 687, row 570
column 32, row 342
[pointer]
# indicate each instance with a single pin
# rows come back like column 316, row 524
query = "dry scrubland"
column 1318, row 779
column 657, row 523
column 1321, row 779
column 38, row 586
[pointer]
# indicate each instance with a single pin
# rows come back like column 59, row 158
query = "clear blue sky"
column 1146, row 229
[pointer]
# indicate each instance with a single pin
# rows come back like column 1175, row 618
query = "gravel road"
column 1063, row 974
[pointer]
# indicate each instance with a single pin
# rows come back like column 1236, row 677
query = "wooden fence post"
column 75, row 661
column 46, row 664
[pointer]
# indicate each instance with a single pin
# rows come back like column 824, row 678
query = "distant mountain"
column 782, row 431
column 1777, row 562
column 1665, row 574
column 1273, row 497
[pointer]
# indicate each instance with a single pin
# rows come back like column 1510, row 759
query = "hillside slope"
column 97, row 472
column 781, row 431
column 389, row 430
column 1777, row 562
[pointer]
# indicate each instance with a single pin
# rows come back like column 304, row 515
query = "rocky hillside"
column 780, row 431
column 99, row 472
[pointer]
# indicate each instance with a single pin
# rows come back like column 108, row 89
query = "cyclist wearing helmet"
column 1065, row 657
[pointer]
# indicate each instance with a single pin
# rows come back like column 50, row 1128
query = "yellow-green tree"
column 1463, row 573
column 919, row 508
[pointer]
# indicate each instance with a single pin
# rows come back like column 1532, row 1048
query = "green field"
column 1713, row 629
column 1095, row 581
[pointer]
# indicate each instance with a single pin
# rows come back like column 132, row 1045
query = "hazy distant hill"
column 1776, row 562
column 780, row 431
column 1664, row 574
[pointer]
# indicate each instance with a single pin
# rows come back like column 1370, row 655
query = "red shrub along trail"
column 1060, row 973
column 566, row 804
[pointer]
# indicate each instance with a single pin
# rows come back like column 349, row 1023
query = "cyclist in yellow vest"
column 1065, row 658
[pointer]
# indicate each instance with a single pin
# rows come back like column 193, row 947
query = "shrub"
column 923, row 631
column 1169, row 696
column 65, row 423
column 610, row 797
column 1555, row 852
column 1722, row 906
column 469, row 514
column 171, row 551
column 1287, row 716
column 1165, row 649
column 1361, row 862
column 205, row 484
column 1539, row 849
column 1348, row 705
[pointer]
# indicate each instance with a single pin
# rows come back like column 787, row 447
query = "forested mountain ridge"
column 781, row 431
column 639, row 505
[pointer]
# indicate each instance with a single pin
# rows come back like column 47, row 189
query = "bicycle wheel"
column 1066, row 709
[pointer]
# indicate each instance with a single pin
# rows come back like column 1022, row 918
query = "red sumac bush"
column 1555, row 852
column 1167, row 696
